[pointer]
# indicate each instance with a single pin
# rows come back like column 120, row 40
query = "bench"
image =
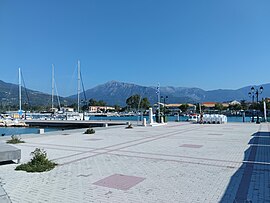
column 9, row 153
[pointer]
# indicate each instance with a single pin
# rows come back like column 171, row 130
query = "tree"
column 117, row 107
column 101, row 103
column 74, row 106
column 145, row 104
column 219, row 107
column 184, row 107
column 244, row 104
column 235, row 107
column 85, row 107
column 93, row 102
column 260, row 106
column 133, row 101
column 197, row 108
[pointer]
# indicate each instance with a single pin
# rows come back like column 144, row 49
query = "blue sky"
column 209, row 44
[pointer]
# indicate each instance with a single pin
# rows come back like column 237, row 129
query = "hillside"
column 9, row 96
column 114, row 92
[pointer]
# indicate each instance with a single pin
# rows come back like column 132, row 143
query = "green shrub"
column 38, row 163
column 89, row 131
column 15, row 140
column 129, row 126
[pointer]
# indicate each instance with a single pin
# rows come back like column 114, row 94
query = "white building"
column 98, row 109
column 234, row 102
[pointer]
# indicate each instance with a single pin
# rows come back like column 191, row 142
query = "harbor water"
column 169, row 118
column 8, row 131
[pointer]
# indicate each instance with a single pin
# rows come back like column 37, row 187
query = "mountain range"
column 115, row 92
column 9, row 96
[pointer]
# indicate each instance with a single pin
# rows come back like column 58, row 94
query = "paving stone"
column 207, row 168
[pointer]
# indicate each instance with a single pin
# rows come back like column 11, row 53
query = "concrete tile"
column 119, row 181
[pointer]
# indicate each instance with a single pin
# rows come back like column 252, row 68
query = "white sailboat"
column 54, row 88
column 77, row 115
column 20, row 94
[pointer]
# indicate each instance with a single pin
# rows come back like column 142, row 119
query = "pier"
column 72, row 123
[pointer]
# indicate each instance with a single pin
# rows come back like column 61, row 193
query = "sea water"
column 8, row 131
column 169, row 118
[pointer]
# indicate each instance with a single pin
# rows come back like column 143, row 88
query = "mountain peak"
column 112, row 82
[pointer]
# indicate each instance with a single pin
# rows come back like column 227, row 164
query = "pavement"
column 178, row 162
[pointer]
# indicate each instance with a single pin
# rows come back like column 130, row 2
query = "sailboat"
column 80, row 83
column 15, row 122
column 20, row 94
column 20, row 111
column 54, row 88
column 78, row 115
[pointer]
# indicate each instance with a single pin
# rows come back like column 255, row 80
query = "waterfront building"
column 98, row 109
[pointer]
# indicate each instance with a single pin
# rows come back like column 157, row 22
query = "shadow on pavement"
column 6, row 162
column 251, row 183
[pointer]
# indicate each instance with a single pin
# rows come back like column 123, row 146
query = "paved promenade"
column 179, row 162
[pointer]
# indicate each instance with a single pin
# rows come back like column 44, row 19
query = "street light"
column 164, row 99
column 252, row 94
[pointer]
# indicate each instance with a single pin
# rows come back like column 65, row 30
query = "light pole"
column 252, row 94
column 164, row 110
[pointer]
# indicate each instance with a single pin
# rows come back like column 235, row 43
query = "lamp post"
column 251, row 94
column 255, row 92
column 164, row 102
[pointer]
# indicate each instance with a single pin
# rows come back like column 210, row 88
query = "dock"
column 73, row 123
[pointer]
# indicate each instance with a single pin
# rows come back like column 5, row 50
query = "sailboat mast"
column 79, row 85
column 52, row 85
column 20, row 91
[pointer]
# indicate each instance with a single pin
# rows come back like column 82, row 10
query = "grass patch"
column 15, row 140
column 89, row 131
column 38, row 163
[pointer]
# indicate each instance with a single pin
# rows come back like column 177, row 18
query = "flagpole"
column 158, row 98
column 20, row 92
column 79, row 85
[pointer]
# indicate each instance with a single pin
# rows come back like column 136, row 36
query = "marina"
column 134, row 101
column 52, row 124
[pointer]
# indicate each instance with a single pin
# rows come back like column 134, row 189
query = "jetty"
column 73, row 123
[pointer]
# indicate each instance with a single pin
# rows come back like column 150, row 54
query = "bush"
column 129, row 126
column 15, row 140
column 89, row 131
column 38, row 163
